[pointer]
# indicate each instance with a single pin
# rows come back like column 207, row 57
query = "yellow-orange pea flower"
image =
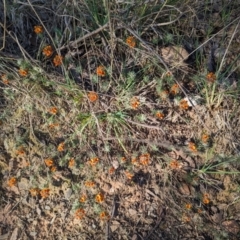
column 131, row 41
column 38, row 29
column 99, row 198
column 45, row 193
column 101, row 72
column 23, row 72
column 12, row 181
column 47, row 51
column 61, row 147
column 92, row 96
column 57, row 60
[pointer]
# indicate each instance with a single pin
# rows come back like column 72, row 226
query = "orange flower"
column 20, row 151
column 104, row 216
column 188, row 206
column 93, row 161
column 192, row 146
column 144, row 159
column 47, row 51
column 186, row 218
column 34, row 192
column 61, row 147
column 45, row 193
column 83, row 199
column 159, row 115
column 101, row 71
column 57, row 60
column 131, row 41
column 53, row 110
column 135, row 103
column 123, row 159
column 174, row 164
column 80, row 213
column 38, row 29
column 92, row 96
column 23, row 72
column 53, row 169
column 99, row 198
column 206, row 199
column 71, row 163
column 183, row 104
column 12, row 181
column 49, row 162
column 174, row 89
column 211, row 77
column 89, row 184
column 129, row 175
column 111, row 170
column 205, row 138
column 4, row 79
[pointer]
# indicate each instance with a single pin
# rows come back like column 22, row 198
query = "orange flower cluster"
column 92, row 96
column 101, row 72
column 89, row 184
column 183, row 104
column 188, row 206
column 93, row 161
column 144, row 159
column 53, row 110
column 80, row 213
column 205, row 138
column 111, row 170
column 47, row 51
column 174, row 89
column 57, row 60
column 20, row 151
column 175, row 164
column 61, row 147
column 50, row 163
column 192, row 146
column 23, row 72
column 135, row 103
column 45, row 192
column 38, row 29
column 34, row 192
column 12, row 182
column 104, row 216
column 129, row 175
column 4, row 79
column 211, row 77
column 71, row 163
column 159, row 115
column 205, row 199
column 186, row 218
column 131, row 41
column 99, row 198
column 83, row 198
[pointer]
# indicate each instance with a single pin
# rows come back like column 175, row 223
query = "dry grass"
column 126, row 127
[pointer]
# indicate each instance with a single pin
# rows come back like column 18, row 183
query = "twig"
column 75, row 42
column 145, row 125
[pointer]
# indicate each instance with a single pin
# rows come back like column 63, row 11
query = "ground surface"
column 132, row 132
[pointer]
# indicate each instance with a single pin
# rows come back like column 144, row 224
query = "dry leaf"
column 174, row 55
